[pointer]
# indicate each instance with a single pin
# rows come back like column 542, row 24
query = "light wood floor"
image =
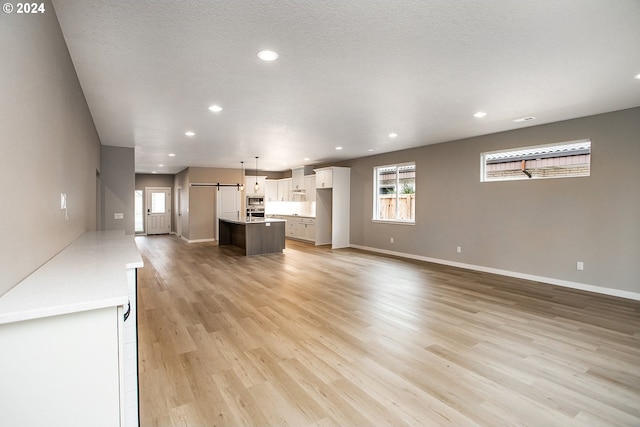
column 316, row 337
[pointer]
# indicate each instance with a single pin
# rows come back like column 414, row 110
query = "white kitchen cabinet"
column 333, row 206
column 310, row 188
column 284, row 189
column 297, row 179
column 62, row 370
column 300, row 228
column 324, row 178
column 271, row 190
column 292, row 227
column 249, row 186
column 307, row 229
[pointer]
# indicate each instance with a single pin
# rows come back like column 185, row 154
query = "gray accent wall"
column 533, row 227
column 145, row 180
column 201, row 201
column 49, row 145
column 118, row 187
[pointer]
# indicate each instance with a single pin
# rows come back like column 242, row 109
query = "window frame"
column 376, row 187
column 524, row 177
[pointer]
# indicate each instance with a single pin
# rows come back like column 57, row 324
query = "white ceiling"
column 349, row 73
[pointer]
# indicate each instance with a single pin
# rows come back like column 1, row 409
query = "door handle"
column 128, row 312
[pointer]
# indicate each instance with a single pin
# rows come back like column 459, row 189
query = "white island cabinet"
column 67, row 356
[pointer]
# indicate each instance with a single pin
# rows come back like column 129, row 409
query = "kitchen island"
column 256, row 236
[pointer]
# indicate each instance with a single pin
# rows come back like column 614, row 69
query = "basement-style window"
column 562, row 160
column 395, row 193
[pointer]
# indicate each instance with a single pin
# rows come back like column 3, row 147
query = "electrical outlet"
column 391, row 240
column 459, row 249
column 580, row 265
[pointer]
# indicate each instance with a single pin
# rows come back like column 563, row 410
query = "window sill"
column 390, row 221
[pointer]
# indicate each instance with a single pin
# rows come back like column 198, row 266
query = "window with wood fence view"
column 564, row 160
column 395, row 187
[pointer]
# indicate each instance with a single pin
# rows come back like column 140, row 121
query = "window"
column 139, row 215
column 395, row 193
column 567, row 159
column 158, row 202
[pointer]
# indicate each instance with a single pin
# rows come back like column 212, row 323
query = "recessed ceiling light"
column 189, row 133
column 637, row 76
column 480, row 114
column 370, row 149
column 215, row 108
column 154, row 172
column 393, row 135
column 338, row 148
column 160, row 166
column 172, row 154
column 267, row 55
column 306, row 159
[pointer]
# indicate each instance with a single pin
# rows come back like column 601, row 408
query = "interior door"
column 158, row 210
column 227, row 204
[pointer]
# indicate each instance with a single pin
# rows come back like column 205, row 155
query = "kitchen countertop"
column 253, row 220
column 89, row 274
column 297, row 216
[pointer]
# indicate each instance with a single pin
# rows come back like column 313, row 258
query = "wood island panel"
column 254, row 237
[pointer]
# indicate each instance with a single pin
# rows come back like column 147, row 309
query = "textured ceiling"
column 349, row 73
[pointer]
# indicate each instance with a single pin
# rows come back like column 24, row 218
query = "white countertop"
column 296, row 216
column 89, row 274
column 253, row 220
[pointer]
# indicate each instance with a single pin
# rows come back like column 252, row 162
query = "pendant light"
column 241, row 184
column 256, row 187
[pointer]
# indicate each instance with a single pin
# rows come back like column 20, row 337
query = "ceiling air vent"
column 524, row 119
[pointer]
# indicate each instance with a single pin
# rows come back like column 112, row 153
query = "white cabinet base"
column 62, row 370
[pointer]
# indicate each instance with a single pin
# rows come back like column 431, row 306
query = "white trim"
column 199, row 240
column 558, row 282
column 393, row 221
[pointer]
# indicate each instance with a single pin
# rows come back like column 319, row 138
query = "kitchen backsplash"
column 290, row 208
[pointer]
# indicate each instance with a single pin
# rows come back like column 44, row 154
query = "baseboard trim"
column 198, row 240
column 549, row 280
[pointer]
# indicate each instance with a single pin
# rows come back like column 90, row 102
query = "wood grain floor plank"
column 321, row 337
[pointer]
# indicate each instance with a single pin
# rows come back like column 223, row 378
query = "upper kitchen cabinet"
column 271, row 190
column 250, row 182
column 284, row 189
column 310, row 188
column 324, row 178
column 297, row 179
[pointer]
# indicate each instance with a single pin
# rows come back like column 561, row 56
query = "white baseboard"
column 549, row 280
column 198, row 240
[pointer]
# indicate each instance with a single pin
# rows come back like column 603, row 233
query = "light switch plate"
column 118, row 215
